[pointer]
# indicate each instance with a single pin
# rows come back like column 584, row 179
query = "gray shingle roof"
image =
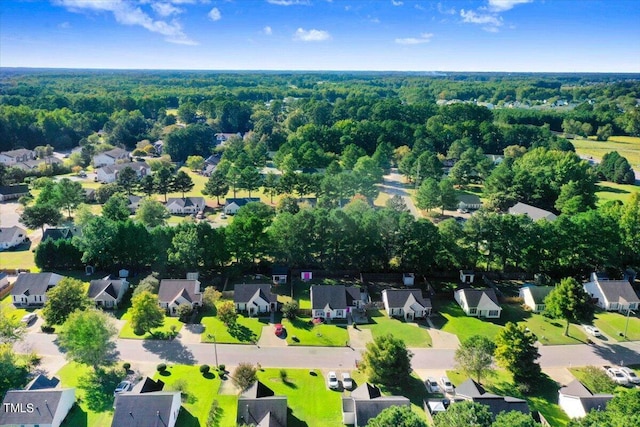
column 9, row 234
column 471, row 390
column 108, row 286
column 242, row 293
column 14, row 189
column 368, row 403
column 474, row 296
column 618, row 291
column 241, row 201
column 148, row 386
column 45, row 403
column 260, row 406
column 170, row 289
column 34, row 283
column 142, row 410
column 398, row 297
column 338, row 297
column 589, row 400
column 539, row 293
column 186, row 202
column 41, row 382
column 531, row 211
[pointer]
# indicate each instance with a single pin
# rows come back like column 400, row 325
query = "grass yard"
column 323, row 335
column 614, row 324
column 198, row 393
column 414, row 390
column 607, row 191
column 7, row 307
column 127, row 330
column 626, row 146
column 311, row 403
column 412, row 335
column 82, row 415
column 451, row 318
column 548, row 331
column 19, row 259
column 543, row 400
column 247, row 330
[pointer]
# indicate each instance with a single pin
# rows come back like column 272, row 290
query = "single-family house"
column 254, row 299
column 174, row 292
column 467, row 276
column 134, row 202
column 532, row 212
column 11, row 237
column 474, row 392
column 334, row 301
column 148, row 385
column 90, row 195
column 111, row 157
column 222, row 137
column 366, row 402
column 231, row 205
column 210, row 164
column 279, row 274
column 186, row 205
column 30, row 289
column 577, row 400
column 109, row 173
column 9, row 192
column 42, row 382
column 406, row 303
column 30, row 165
column 11, row 157
column 469, row 201
column 478, row 302
column 612, row 295
column 533, row 296
column 152, row 409
column 108, row 292
column 36, row 408
column 259, row 406
column 60, row 233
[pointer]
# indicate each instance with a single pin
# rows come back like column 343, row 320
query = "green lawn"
column 324, row 335
column 412, row 335
column 613, row 324
column 452, row 319
column 127, row 330
column 199, row 392
column 626, row 146
column 414, row 390
column 607, row 191
column 548, row 331
column 311, row 403
column 247, row 330
column 19, row 259
column 543, row 400
column 6, row 306
column 82, row 415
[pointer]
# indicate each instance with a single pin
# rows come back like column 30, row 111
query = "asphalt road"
column 393, row 184
column 602, row 353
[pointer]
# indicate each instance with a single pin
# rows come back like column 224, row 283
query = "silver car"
column 631, row 375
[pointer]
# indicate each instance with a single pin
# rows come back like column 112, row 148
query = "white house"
column 31, row 288
column 469, row 201
column 155, row 408
column 534, row 296
column 108, row 174
column 532, row 212
column 8, row 192
column 10, row 158
column 406, row 303
column 187, row 205
column 111, row 157
column 174, row 292
column 334, row 301
column 478, row 302
column 11, row 236
column 254, row 299
column 31, row 408
column 107, row 292
column 577, row 400
column 612, row 295
column 231, row 205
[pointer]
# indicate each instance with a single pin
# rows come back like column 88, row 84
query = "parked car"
column 122, row 387
column 592, row 330
column 332, row 380
column 347, row 382
column 616, row 375
column 432, row 385
column 279, row 329
column 631, row 376
column 446, row 385
column 28, row 318
column 223, row 215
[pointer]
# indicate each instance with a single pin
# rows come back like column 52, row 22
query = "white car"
column 347, row 382
column 631, row 376
column 28, row 318
column 446, row 385
column 432, row 385
column 122, row 387
column 617, row 376
column 592, row 330
column 332, row 380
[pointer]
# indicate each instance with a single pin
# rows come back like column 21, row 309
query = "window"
column 473, row 310
column 493, row 313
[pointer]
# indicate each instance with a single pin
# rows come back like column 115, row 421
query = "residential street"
column 393, row 184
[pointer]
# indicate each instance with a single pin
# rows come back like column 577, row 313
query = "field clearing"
column 626, row 146
column 608, row 191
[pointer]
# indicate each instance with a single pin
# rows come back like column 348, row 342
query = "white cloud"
column 127, row 13
column 214, row 14
column 64, row 25
column 165, row 9
column 491, row 22
column 424, row 38
column 267, row 30
column 397, row 2
column 288, row 2
column 443, row 10
column 311, row 35
column 502, row 5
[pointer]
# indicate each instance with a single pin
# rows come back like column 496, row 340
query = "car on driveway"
column 446, row 385
column 616, row 375
column 592, row 330
column 347, row 382
column 332, row 380
column 432, row 385
column 279, row 329
column 631, row 376
column 122, row 387
column 28, row 318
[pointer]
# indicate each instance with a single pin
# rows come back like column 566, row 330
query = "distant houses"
column 108, row 174
column 232, row 205
column 111, row 157
column 187, row 205
column 532, row 212
column 13, row 157
column 10, row 192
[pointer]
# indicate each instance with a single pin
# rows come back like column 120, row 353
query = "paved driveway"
column 9, row 215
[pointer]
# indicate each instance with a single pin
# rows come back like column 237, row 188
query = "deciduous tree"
column 397, row 416
column 63, row 299
column 474, row 356
column 244, row 376
column 195, row 163
column 38, row 215
column 116, row 208
column 569, row 301
column 467, row 414
column 227, row 313
column 151, row 213
column 387, row 361
column 87, row 337
column 127, row 179
column 145, row 313
column 69, row 194
column 517, row 353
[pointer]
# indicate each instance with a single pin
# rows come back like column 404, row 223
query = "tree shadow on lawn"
column 304, row 323
column 77, row 417
column 98, row 388
column 413, row 388
column 511, row 313
column 604, row 189
column 293, row 421
column 171, row 351
column 241, row 333
column 187, row 419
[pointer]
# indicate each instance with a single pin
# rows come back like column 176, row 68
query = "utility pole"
column 627, row 323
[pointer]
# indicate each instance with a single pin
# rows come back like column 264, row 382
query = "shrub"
column 283, row 375
column 126, row 366
column 244, row 376
column 204, row 369
column 47, row 329
column 221, row 368
column 161, row 367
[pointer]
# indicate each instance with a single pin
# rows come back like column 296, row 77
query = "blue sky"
column 400, row 35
